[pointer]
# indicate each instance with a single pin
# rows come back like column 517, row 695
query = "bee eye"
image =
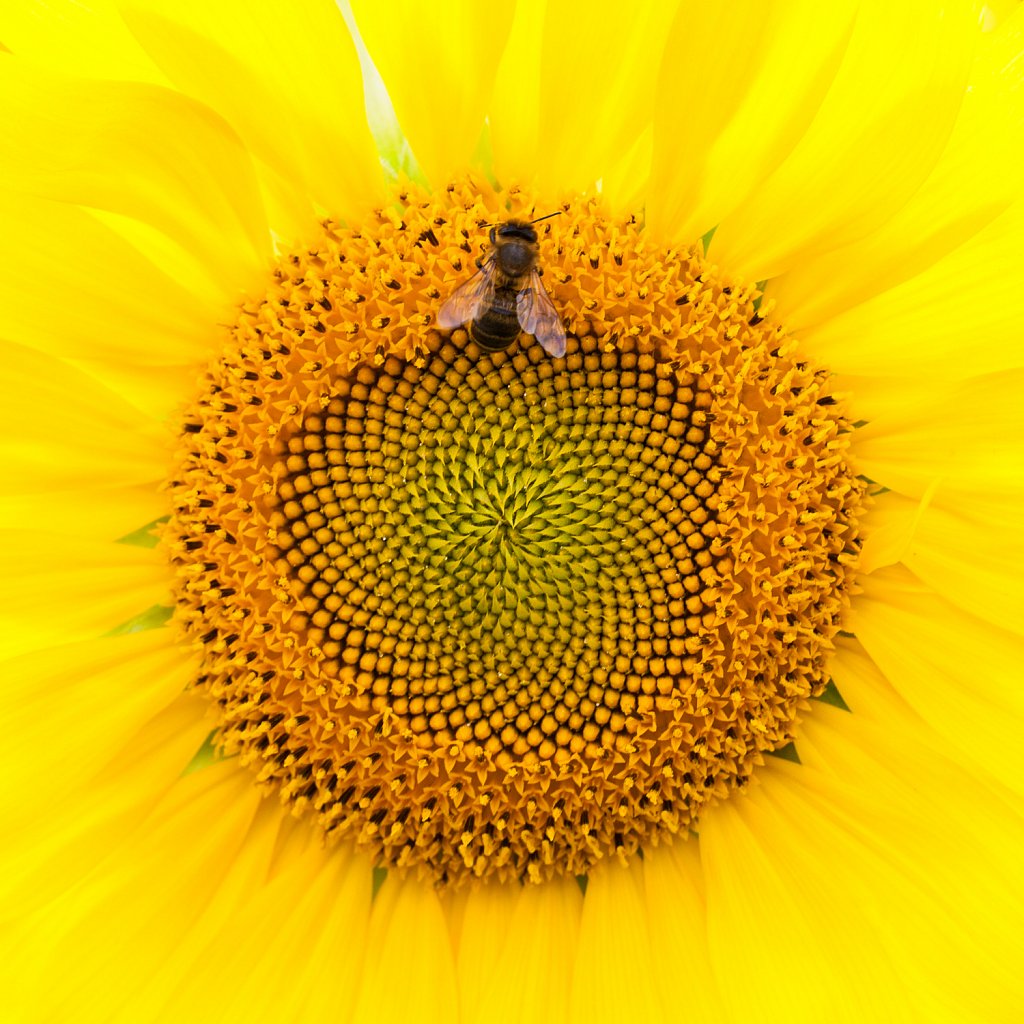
column 492, row 235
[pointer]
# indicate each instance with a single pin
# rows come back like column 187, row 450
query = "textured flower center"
column 496, row 614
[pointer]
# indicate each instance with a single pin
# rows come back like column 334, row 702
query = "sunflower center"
column 504, row 552
column 495, row 613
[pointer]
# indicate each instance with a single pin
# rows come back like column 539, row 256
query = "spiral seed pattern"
column 528, row 589
column 500, row 615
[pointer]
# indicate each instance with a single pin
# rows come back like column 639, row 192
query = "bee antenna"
column 537, row 220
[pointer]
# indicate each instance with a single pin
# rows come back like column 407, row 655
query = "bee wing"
column 537, row 316
column 469, row 298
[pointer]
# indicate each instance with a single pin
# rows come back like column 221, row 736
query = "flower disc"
column 499, row 614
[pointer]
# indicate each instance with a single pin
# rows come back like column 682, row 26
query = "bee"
column 506, row 295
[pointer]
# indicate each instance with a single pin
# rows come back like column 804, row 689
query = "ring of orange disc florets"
column 499, row 615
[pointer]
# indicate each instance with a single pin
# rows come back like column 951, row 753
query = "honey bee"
column 506, row 294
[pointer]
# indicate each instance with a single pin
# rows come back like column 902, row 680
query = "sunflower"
column 657, row 662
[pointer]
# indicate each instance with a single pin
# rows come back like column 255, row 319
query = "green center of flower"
column 502, row 549
column 497, row 614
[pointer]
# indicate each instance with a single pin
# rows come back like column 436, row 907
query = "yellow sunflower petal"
column 930, row 854
column 287, row 79
column 959, row 316
column 967, row 439
column 83, row 821
column 101, row 942
column 439, row 66
column 155, row 391
column 876, row 705
column 968, row 553
column 57, row 589
column 872, row 397
column 741, row 87
column 295, row 919
column 516, row 948
column 408, row 939
column 677, row 918
column 110, row 295
column 975, row 179
column 344, row 889
column 173, row 982
column 82, row 702
column 98, row 514
column 996, row 12
column 789, row 939
column 575, row 88
column 483, row 924
column 60, row 429
column 74, row 39
column 882, row 731
column 80, row 458
column 626, row 183
column 812, row 203
column 614, row 962
column 960, row 673
column 92, row 143
column 514, row 110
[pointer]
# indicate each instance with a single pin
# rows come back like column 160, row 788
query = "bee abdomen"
column 493, row 333
column 499, row 326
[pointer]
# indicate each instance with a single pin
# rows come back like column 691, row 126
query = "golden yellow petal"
column 67, row 710
column 677, row 919
column 960, row 673
column 408, row 939
column 626, row 183
column 876, row 397
column 516, row 950
column 969, row 553
column 116, row 307
column 975, row 179
column 613, row 979
column 286, row 78
column 893, row 136
column 62, row 430
column 93, row 143
column 790, row 937
column 925, row 847
column 344, row 890
column 514, row 109
column 884, row 719
column 84, row 820
column 739, row 87
column 284, row 938
column 574, row 92
column 101, row 942
column 156, row 391
column 882, row 715
column 58, row 589
column 996, row 12
column 172, row 984
column 439, row 67
column 968, row 438
column 946, row 316
column 77, row 39
column 106, row 514
column 483, row 917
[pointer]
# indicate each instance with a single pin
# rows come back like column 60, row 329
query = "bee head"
column 514, row 230
column 516, row 245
